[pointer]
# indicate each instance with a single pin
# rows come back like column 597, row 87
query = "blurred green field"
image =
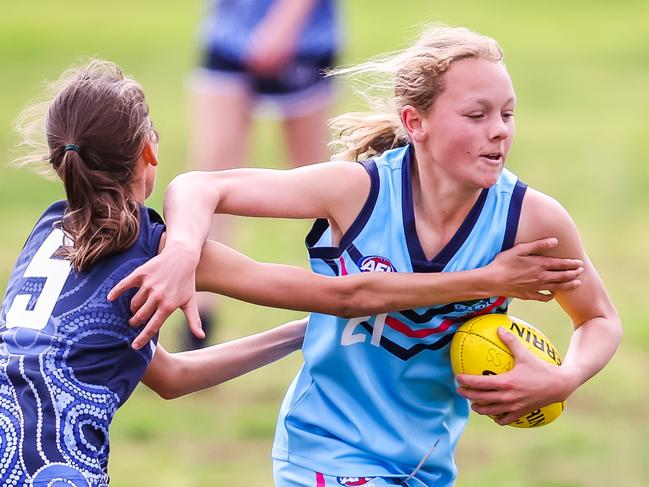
column 581, row 70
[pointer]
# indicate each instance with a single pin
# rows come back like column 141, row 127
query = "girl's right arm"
column 516, row 273
column 172, row 375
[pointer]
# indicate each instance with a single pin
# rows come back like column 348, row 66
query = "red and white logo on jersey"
column 351, row 481
column 376, row 263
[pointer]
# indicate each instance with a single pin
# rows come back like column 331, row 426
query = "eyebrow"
column 486, row 102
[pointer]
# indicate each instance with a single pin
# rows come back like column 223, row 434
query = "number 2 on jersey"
column 349, row 337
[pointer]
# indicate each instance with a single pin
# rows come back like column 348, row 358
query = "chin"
column 488, row 180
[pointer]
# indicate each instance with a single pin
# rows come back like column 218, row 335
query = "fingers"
column 138, row 300
column 143, row 314
column 548, row 294
column 507, row 418
column 556, row 264
column 129, row 282
column 529, row 248
column 479, row 382
column 566, row 286
column 477, row 396
column 193, row 318
column 515, row 346
column 542, row 296
column 150, row 330
column 562, row 276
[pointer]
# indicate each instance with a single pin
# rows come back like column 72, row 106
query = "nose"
column 498, row 128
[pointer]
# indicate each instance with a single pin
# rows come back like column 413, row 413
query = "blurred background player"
column 272, row 51
column 263, row 50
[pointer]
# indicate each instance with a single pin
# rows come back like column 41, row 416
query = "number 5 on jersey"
column 55, row 271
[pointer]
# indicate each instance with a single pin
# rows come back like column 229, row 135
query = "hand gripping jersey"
column 376, row 395
column 66, row 363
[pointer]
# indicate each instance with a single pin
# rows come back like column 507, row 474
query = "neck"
column 437, row 198
column 138, row 192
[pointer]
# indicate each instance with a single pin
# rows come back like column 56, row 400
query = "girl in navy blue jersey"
column 66, row 360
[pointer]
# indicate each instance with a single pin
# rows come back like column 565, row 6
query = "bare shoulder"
column 342, row 173
column 543, row 216
column 348, row 186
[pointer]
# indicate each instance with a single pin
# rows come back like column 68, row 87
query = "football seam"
column 506, row 350
column 482, row 337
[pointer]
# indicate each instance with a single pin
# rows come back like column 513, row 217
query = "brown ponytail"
column 96, row 128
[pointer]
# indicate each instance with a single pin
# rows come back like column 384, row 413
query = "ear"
column 413, row 122
column 149, row 154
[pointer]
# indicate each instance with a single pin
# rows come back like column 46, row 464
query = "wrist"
column 295, row 333
column 485, row 283
column 569, row 379
column 184, row 249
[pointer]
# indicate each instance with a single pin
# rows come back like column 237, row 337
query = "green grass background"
column 581, row 70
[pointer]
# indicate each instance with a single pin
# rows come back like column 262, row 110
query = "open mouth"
column 494, row 156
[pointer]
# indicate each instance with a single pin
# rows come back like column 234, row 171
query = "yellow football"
column 476, row 349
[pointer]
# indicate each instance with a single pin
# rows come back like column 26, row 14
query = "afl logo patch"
column 375, row 263
column 351, row 481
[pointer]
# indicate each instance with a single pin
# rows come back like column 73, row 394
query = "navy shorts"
column 301, row 74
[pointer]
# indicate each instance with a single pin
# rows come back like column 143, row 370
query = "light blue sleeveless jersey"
column 376, row 395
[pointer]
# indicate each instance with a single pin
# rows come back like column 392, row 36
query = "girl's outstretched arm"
column 517, row 272
column 172, row 375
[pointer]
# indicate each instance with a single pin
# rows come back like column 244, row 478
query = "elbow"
column 168, row 394
column 172, row 385
column 169, row 389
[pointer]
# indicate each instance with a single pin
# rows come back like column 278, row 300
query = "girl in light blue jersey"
column 66, row 363
column 376, row 402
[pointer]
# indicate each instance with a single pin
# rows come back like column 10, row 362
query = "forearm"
column 592, row 346
column 226, row 271
column 372, row 293
column 199, row 369
column 195, row 194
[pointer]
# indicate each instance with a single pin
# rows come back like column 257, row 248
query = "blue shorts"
column 288, row 474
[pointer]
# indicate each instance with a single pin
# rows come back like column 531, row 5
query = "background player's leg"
column 306, row 134
column 220, row 114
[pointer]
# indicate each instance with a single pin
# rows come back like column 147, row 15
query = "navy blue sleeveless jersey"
column 66, row 363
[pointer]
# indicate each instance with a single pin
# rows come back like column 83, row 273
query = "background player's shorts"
column 299, row 88
column 290, row 475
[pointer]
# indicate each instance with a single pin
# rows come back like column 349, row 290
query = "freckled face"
column 470, row 126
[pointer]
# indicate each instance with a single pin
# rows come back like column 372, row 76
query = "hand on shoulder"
column 543, row 216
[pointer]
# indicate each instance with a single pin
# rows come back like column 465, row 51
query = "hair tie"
column 73, row 147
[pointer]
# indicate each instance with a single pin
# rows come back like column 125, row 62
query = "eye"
column 475, row 116
column 507, row 115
